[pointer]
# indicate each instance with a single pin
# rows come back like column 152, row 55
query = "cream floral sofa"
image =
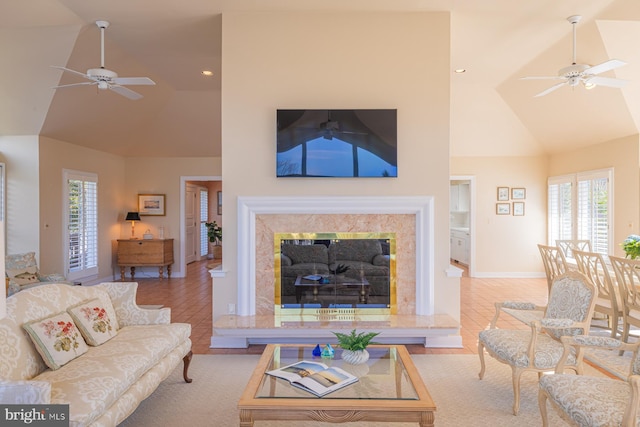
column 106, row 383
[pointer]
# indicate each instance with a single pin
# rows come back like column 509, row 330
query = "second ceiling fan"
column 586, row 74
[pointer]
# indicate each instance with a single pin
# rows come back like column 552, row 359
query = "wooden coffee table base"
column 248, row 416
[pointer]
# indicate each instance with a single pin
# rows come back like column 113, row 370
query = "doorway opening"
column 462, row 221
column 200, row 201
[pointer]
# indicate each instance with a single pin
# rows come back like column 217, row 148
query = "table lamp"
column 133, row 217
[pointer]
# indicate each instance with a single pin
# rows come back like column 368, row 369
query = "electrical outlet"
column 231, row 308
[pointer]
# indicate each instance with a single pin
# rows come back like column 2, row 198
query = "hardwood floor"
column 190, row 302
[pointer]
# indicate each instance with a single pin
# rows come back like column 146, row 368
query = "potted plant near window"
column 354, row 346
column 214, row 232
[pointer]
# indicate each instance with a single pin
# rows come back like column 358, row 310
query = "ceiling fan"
column 107, row 79
column 586, row 74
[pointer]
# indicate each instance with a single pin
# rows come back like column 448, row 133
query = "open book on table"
column 314, row 377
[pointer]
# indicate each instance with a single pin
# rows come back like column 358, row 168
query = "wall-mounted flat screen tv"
column 337, row 143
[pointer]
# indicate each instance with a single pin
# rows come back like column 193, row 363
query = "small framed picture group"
column 511, row 201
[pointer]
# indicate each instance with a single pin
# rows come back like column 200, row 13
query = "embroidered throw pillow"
column 57, row 339
column 23, row 276
column 94, row 322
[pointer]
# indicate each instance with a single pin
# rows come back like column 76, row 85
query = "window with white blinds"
column 204, row 216
column 81, row 224
column 580, row 208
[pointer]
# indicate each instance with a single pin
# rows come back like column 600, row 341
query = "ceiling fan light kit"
column 586, row 74
column 105, row 79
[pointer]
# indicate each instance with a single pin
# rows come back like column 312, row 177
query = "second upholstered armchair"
column 539, row 349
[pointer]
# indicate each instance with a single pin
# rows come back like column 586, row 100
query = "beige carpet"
column 461, row 398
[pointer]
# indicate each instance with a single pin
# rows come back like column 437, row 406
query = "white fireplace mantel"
column 420, row 206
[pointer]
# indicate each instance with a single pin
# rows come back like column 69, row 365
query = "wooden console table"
column 145, row 253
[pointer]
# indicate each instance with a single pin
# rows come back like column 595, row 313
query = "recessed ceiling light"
column 459, row 70
column 207, row 73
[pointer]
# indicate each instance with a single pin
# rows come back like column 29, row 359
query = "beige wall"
column 160, row 175
column 21, row 157
column 623, row 156
column 298, row 60
column 35, row 223
column 56, row 156
column 506, row 244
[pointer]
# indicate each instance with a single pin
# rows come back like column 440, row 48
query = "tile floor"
column 190, row 301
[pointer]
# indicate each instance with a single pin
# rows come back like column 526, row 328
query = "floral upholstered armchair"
column 569, row 312
column 22, row 273
column 593, row 401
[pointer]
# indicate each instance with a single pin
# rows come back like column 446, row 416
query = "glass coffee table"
column 389, row 389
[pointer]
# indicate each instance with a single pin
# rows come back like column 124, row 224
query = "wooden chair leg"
column 481, row 355
column 516, row 390
column 542, row 404
column 625, row 334
column 187, row 362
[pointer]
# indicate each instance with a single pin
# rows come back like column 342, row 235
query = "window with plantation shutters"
column 81, row 224
column 204, row 215
column 559, row 205
column 579, row 208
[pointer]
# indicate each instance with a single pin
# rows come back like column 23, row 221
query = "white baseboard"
column 509, row 275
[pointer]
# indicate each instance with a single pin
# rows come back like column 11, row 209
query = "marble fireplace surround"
column 410, row 217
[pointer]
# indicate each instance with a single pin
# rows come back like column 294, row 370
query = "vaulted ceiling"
column 493, row 111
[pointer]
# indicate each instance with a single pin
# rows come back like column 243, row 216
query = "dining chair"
column 539, row 348
column 627, row 272
column 568, row 246
column 590, row 401
column 554, row 262
column 594, row 266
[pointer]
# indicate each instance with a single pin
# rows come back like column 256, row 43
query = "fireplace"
column 319, row 274
column 410, row 218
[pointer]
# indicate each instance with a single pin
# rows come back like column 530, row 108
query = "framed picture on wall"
column 151, row 204
column 503, row 208
column 219, row 202
column 518, row 208
column 518, row 193
column 503, row 194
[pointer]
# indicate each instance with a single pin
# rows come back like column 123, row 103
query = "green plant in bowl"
column 355, row 341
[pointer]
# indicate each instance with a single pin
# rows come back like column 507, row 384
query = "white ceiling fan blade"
column 127, row 93
column 606, row 81
column 605, row 66
column 75, row 84
column 126, row 81
column 551, row 89
column 71, row 71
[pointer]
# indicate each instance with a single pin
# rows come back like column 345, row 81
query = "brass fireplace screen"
column 324, row 274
